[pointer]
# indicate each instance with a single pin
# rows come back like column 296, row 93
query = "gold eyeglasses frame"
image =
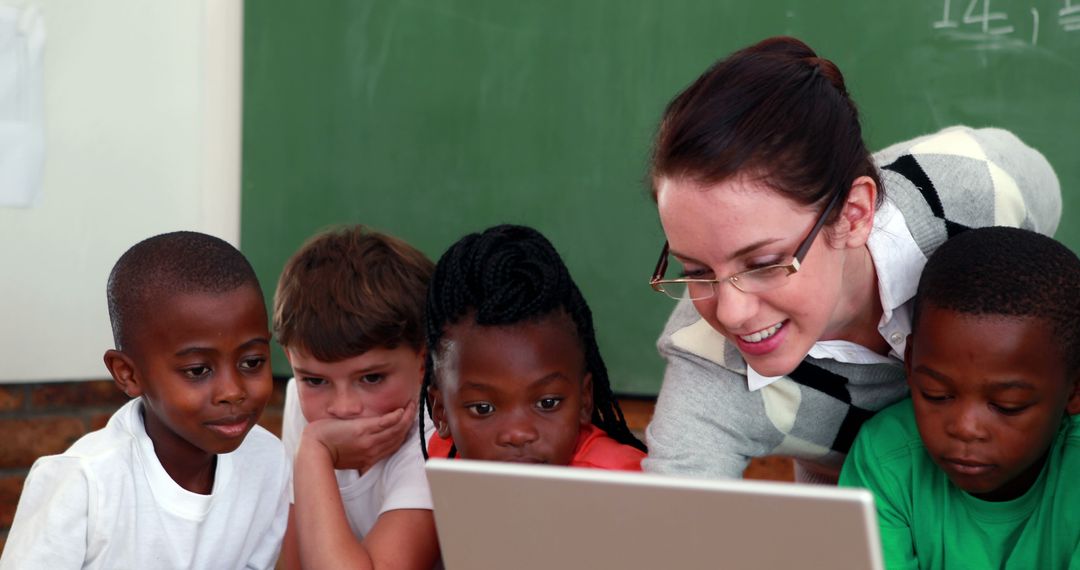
column 657, row 281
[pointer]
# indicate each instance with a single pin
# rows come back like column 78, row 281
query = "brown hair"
column 775, row 111
column 349, row 290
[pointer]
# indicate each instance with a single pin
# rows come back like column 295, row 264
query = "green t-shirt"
column 927, row 522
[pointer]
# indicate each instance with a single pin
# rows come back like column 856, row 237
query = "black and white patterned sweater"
column 709, row 423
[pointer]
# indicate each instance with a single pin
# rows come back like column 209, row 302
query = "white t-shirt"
column 108, row 503
column 397, row 482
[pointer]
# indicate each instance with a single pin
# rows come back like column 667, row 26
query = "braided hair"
column 506, row 275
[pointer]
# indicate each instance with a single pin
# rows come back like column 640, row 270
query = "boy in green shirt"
column 979, row 469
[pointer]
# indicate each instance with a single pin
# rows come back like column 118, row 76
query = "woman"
column 800, row 254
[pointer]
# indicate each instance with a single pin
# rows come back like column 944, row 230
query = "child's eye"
column 371, row 378
column 312, row 381
column 934, row 397
column 481, row 409
column 252, row 364
column 549, row 403
column 1010, row 410
column 197, row 372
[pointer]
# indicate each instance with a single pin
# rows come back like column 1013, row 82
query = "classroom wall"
column 142, row 125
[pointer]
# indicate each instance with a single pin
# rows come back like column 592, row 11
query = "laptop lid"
column 500, row 516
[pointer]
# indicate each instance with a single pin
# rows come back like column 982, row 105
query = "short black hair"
column 1009, row 272
column 167, row 264
column 507, row 275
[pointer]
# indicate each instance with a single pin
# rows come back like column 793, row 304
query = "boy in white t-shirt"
column 181, row 476
column 349, row 312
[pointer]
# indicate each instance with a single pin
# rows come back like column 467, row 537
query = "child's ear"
column 852, row 228
column 1072, row 405
column 124, row 373
column 438, row 411
column 422, row 355
column 586, row 400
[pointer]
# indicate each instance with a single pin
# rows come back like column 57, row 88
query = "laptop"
column 502, row 516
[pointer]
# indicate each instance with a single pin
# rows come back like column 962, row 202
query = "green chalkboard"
column 429, row 119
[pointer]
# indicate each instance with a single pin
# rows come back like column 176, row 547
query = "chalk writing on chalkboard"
column 987, row 24
column 1069, row 17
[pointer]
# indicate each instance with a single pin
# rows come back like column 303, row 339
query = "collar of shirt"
column 755, row 381
column 898, row 262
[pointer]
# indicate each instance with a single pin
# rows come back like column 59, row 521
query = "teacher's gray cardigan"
column 708, row 423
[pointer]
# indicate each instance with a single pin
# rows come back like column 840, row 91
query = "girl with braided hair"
column 513, row 370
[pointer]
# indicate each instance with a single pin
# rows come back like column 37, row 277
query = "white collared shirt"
column 898, row 262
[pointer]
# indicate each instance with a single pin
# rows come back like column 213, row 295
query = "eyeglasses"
column 755, row 280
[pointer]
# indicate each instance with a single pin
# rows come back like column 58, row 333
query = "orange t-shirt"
column 595, row 449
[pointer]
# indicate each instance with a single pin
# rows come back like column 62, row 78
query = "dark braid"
column 507, row 275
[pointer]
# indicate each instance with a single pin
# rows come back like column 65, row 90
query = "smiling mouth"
column 762, row 334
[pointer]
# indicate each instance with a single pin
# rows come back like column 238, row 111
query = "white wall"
column 142, row 115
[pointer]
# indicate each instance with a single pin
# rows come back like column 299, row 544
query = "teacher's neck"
column 860, row 303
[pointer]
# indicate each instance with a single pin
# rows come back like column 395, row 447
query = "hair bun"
column 828, row 69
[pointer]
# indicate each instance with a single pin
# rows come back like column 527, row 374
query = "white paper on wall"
column 22, row 126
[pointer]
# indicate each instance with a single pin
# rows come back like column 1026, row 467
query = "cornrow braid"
column 506, row 275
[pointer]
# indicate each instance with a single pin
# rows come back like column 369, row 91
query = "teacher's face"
column 717, row 230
